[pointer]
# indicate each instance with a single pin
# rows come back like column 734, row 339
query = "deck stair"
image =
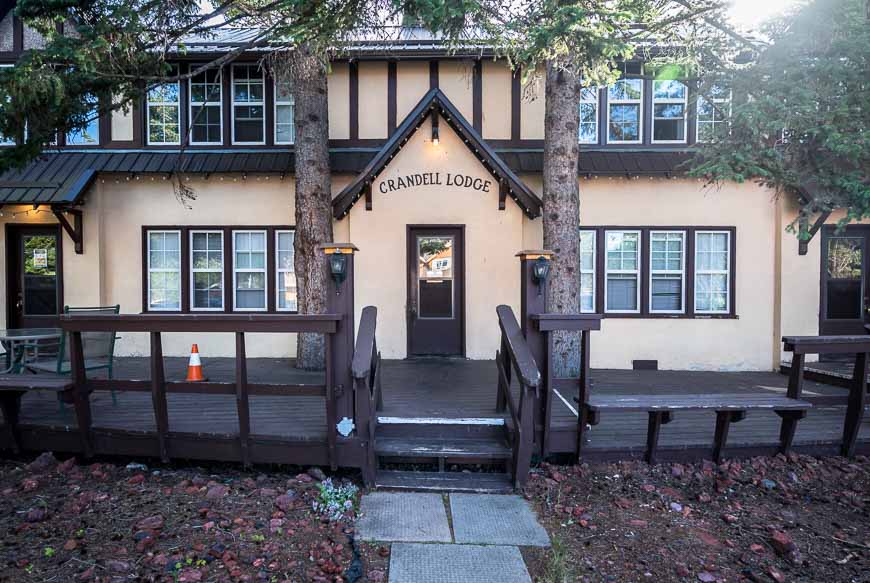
column 473, row 443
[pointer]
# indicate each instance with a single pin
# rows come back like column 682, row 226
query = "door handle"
column 412, row 309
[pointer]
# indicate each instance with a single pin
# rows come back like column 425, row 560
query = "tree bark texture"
column 561, row 214
column 313, row 195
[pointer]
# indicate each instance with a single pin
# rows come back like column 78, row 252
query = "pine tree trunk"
column 313, row 195
column 561, row 214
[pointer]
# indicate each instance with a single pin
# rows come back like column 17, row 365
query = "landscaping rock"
column 317, row 474
column 43, row 463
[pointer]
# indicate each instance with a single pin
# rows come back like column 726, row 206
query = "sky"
column 751, row 13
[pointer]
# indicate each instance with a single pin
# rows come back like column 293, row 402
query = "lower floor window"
column 648, row 271
column 190, row 269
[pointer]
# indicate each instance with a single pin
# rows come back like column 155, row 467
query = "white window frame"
column 194, row 270
column 585, row 99
column 715, row 101
column 291, row 102
column 6, row 141
column 151, row 270
column 264, row 270
column 191, row 104
column 636, row 272
column 249, row 103
column 279, row 271
column 681, row 272
column 594, row 234
column 149, row 103
column 667, row 101
column 638, row 102
column 727, row 272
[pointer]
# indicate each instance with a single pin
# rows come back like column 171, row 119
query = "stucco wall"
column 496, row 100
column 455, row 80
column 412, row 83
column 492, row 237
column 532, row 109
column 338, row 93
column 372, row 100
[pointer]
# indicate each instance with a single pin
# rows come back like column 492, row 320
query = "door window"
column 39, row 257
column 435, row 277
column 845, row 258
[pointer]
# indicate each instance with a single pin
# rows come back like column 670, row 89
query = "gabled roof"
column 433, row 103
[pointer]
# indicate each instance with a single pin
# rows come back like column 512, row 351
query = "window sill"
column 673, row 316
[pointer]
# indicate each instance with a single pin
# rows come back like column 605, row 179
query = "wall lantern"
column 338, row 269
column 435, row 138
column 541, row 271
column 337, row 257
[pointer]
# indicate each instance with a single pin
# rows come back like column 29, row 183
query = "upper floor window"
column 206, row 109
column 624, row 108
column 285, row 128
column 713, row 113
column 90, row 134
column 589, row 115
column 669, row 112
column 5, row 100
column 249, row 106
column 163, row 113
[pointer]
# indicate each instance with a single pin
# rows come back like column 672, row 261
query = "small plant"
column 48, row 552
column 80, row 533
column 258, row 538
column 556, row 569
column 29, row 569
column 334, row 501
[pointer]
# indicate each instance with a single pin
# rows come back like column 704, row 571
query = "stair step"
column 444, row 481
column 448, row 448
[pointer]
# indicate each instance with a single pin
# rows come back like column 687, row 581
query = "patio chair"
column 98, row 348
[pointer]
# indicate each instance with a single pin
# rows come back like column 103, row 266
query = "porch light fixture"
column 435, row 139
column 338, row 269
column 541, row 271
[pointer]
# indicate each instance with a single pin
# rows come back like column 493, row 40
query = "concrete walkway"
column 452, row 538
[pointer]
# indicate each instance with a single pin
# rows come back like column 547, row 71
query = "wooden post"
column 340, row 301
column 533, row 301
column 795, row 388
column 331, row 402
column 242, row 405
column 724, row 419
column 80, row 392
column 523, row 458
column 656, row 420
column 158, row 396
column 855, row 406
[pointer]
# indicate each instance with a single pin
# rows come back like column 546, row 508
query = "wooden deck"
column 429, row 389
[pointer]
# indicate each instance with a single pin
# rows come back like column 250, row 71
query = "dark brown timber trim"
column 433, row 74
column 477, row 97
column 516, row 104
column 392, row 77
column 353, row 72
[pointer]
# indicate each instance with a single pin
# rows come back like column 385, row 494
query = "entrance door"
column 33, row 276
column 845, row 293
column 436, row 274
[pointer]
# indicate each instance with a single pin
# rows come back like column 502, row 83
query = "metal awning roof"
column 61, row 178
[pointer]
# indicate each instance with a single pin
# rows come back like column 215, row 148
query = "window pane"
column 667, row 293
column 287, row 291
column 621, row 292
column 625, row 89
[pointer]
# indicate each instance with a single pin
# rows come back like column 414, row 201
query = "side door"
column 34, row 278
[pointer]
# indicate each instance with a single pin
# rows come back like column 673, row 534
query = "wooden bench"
column 856, row 405
column 13, row 387
column 729, row 408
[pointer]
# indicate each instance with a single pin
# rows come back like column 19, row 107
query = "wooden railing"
column 366, row 370
column 514, row 357
column 859, row 346
column 540, row 338
column 157, row 324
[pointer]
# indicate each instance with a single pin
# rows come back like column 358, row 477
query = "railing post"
column 158, row 396
column 533, row 301
column 242, row 405
column 80, row 392
column 339, row 267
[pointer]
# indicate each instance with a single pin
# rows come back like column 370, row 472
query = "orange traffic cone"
column 194, row 366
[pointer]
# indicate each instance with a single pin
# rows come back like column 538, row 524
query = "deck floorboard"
column 446, row 389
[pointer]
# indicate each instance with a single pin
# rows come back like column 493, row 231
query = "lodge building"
column 436, row 161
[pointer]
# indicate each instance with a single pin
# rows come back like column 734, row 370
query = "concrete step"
column 492, row 448
column 479, row 482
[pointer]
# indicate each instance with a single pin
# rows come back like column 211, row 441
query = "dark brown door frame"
column 460, row 289
column 12, row 230
column 854, row 326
